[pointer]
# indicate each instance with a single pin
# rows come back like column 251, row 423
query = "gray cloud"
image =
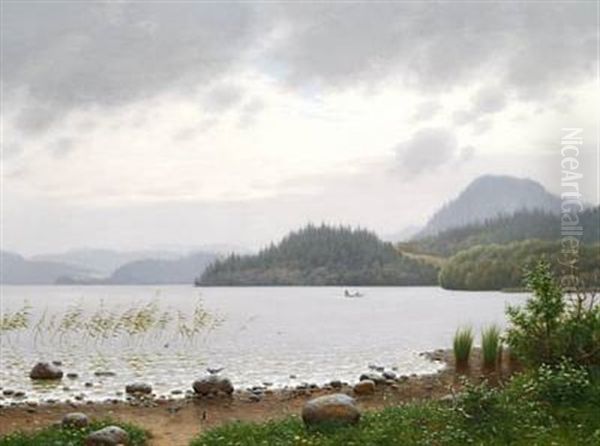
column 428, row 149
column 69, row 55
column 62, row 147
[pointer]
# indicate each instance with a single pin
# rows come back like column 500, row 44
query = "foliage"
column 552, row 326
column 480, row 415
column 496, row 267
column 520, row 226
column 71, row 436
column 462, row 345
column 563, row 384
column 491, row 345
column 322, row 255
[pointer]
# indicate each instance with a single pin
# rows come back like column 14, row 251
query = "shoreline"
column 175, row 422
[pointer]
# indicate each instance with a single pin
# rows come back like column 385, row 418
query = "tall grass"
column 462, row 345
column 491, row 345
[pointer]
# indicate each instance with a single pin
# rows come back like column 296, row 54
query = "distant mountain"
column 104, row 261
column 522, row 225
column 322, row 255
column 487, row 197
column 182, row 270
column 16, row 270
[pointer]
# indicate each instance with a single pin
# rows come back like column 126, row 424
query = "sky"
column 135, row 125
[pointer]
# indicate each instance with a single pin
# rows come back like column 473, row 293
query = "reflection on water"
column 167, row 336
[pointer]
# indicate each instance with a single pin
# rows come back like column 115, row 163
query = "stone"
column 76, row 420
column 335, row 409
column 108, row 436
column 364, row 387
column 376, row 378
column 72, row 375
column 389, row 375
column 336, row 384
column 45, row 370
column 212, row 385
column 138, row 389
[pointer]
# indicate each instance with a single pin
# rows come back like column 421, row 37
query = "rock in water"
column 138, row 389
column 45, row 370
column 108, row 436
column 365, row 387
column 76, row 420
column 335, row 409
column 212, row 385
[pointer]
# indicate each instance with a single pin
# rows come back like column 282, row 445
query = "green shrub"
column 562, row 384
column 491, row 345
column 552, row 326
column 462, row 345
column 72, row 436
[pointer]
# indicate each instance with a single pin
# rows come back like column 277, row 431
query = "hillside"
column 495, row 267
column 16, row 270
column 488, row 197
column 322, row 256
column 522, row 225
column 104, row 261
column 152, row 272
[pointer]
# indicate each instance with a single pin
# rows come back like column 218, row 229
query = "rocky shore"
column 211, row 400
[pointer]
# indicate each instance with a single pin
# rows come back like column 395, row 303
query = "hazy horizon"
column 138, row 125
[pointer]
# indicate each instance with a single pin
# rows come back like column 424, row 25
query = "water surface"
column 281, row 335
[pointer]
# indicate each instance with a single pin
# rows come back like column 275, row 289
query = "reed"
column 462, row 346
column 491, row 345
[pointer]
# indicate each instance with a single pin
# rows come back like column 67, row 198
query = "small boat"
column 352, row 293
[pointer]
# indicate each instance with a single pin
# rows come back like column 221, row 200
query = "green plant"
column 552, row 326
column 71, row 437
column 462, row 345
column 491, row 345
column 563, row 383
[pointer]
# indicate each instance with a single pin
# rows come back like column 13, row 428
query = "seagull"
column 214, row 371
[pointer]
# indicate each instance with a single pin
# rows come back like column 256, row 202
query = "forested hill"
column 322, row 255
column 523, row 225
column 488, row 197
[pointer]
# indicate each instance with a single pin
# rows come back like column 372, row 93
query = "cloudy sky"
column 177, row 124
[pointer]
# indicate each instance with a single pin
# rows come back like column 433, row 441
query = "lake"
column 168, row 335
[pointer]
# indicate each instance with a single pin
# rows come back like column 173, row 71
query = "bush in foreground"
column 59, row 436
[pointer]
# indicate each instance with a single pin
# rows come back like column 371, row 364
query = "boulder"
column 45, row 370
column 107, row 436
column 335, row 409
column 76, row 420
column 138, row 389
column 365, row 387
column 212, row 385
column 389, row 375
column 375, row 377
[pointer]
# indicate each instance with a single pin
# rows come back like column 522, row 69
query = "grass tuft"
column 491, row 345
column 462, row 345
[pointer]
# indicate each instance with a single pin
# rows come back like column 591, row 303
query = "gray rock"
column 389, row 375
column 376, row 378
column 212, row 385
column 72, row 375
column 338, row 409
column 364, row 387
column 336, row 384
column 108, row 436
column 138, row 389
column 75, row 419
column 105, row 373
column 45, row 370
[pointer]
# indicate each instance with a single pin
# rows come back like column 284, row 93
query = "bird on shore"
column 213, row 371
